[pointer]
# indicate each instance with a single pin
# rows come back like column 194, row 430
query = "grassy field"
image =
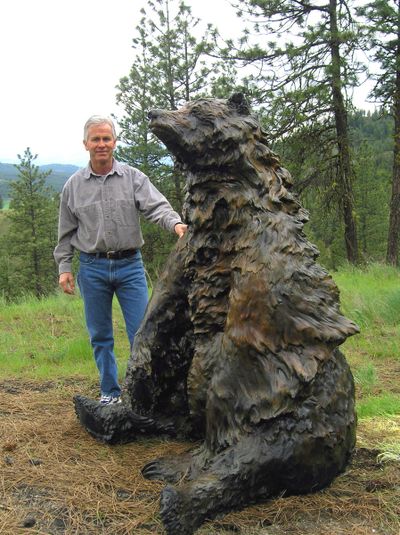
column 47, row 339
column 372, row 299
column 55, row 479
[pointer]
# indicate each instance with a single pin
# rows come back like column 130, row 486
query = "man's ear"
column 85, row 144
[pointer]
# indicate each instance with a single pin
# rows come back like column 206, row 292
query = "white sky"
column 60, row 63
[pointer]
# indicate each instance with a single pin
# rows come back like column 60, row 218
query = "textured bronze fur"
column 239, row 343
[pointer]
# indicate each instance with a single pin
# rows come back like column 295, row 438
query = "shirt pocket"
column 126, row 213
column 89, row 216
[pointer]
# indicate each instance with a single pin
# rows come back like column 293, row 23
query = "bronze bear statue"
column 238, row 347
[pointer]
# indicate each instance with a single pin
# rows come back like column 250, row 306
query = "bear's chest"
column 216, row 219
column 209, row 270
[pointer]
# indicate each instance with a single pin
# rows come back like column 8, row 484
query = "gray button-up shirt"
column 101, row 213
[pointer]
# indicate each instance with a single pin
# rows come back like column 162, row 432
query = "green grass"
column 383, row 405
column 47, row 340
column 370, row 296
column 366, row 377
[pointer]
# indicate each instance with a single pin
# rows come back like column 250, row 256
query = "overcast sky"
column 60, row 63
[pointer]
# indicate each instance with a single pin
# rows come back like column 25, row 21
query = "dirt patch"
column 55, row 479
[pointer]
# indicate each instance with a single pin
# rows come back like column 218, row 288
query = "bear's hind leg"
column 228, row 483
column 259, row 467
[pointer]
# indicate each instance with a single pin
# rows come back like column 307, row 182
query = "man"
column 99, row 216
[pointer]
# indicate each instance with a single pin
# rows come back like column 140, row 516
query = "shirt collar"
column 116, row 168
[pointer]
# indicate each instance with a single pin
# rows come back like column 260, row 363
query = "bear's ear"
column 239, row 102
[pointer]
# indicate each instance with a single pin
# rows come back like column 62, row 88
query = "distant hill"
column 59, row 174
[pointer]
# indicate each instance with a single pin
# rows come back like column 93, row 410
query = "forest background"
column 298, row 63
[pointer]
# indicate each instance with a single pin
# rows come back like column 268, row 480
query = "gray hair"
column 98, row 119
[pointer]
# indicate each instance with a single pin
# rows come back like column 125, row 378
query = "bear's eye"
column 203, row 114
column 197, row 111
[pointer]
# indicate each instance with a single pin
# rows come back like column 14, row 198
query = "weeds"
column 383, row 405
column 44, row 339
column 365, row 377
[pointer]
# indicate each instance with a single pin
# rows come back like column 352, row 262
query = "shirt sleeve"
column 153, row 205
column 67, row 227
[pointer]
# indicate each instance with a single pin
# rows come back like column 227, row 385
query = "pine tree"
column 371, row 202
column 383, row 31
column 32, row 232
column 305, row 70
column 136, row 97
column 171, row 66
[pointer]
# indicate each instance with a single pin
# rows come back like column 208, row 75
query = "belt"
column 115, row 255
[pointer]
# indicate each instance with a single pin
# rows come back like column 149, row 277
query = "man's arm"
column 64, row 251
column 153, row 204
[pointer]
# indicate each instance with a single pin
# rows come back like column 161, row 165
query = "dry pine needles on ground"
column 55, row 479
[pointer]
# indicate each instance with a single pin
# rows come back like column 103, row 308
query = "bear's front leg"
column 170, row 469
column 156, row 377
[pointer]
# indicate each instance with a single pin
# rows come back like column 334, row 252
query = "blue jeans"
column 98, row 280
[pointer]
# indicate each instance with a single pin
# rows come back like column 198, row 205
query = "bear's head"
column 222, row 138
column 213, row 133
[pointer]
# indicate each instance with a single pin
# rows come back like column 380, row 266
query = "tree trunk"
column 392, row 252
column 345, row 171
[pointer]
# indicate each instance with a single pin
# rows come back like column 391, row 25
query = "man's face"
column 100, row 144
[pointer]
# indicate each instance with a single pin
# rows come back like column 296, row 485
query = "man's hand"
column 67, row 283
column 180, row 229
